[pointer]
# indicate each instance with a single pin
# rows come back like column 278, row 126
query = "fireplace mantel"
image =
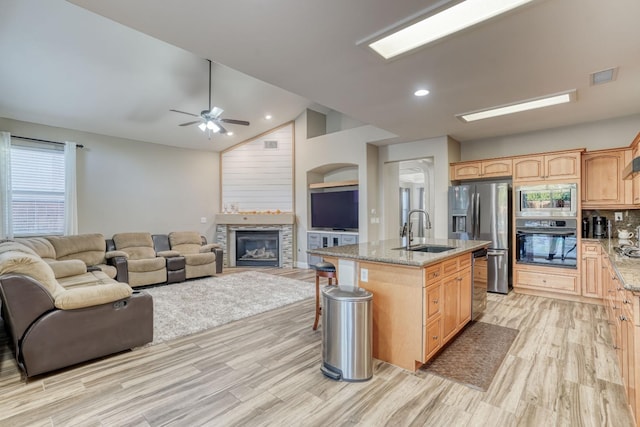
column 255, row 219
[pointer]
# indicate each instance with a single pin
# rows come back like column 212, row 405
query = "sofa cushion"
column 66, row 268
column 87, row 279
column 19, row 262
column 10, row 245
column 137, row 245
column 40, row 245
column 109, row 270
column 89, row 248
column 185, row 242
column 200, row 259
column 87, row 296
column 145, row 265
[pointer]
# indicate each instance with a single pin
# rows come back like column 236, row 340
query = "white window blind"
column 37, row 183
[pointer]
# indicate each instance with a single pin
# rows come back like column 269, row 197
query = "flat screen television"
column 336, row 210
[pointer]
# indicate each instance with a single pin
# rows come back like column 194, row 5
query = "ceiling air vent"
column 604, row 76
column 271, row 145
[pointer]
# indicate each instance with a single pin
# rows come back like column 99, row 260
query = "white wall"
column 126, row 185
column 602, row 134
column 343, row 147
column 257, row 178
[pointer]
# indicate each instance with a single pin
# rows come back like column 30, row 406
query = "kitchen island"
column 421, row 300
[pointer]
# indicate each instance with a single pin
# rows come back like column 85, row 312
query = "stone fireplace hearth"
column 227, row 225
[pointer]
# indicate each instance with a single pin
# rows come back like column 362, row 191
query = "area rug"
column 186, row 308
column 475, row 355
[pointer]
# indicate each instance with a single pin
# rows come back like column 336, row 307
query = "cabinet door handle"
column 435, row 337
column 623, row 317
column 435, row 301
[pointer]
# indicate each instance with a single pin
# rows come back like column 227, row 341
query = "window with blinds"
column 37, row 184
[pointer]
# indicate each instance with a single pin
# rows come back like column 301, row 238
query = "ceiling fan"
column 210, row 120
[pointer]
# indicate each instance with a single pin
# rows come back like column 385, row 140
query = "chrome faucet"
column 427, row 224
column 403, row 230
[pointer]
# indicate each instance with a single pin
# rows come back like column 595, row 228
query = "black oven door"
column 548, row 247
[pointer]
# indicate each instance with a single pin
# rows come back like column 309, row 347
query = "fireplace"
column 257, row 248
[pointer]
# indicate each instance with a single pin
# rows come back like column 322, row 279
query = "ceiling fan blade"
column 215, row 112
column 222, row 130
column 235, row 122
column 190, row 123
column 184, row 112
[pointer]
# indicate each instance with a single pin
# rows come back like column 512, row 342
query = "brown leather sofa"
column 59, row 312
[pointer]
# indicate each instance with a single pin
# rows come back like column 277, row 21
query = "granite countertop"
column 628, row 269
column 384, row 251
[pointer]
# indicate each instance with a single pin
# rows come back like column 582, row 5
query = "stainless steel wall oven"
column 549, row 242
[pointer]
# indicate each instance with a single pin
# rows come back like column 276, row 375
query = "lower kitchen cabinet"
column 546, row 279
column 591, row 270
column 621, row 306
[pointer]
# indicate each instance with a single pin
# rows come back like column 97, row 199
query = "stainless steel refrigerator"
column 482, row 211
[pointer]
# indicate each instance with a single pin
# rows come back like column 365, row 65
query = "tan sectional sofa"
column 60, row 311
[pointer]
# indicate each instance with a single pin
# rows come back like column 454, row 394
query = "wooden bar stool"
column 328, row 270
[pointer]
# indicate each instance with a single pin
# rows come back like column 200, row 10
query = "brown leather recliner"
column 57, row 318
column 144, row 267
column 200, row 259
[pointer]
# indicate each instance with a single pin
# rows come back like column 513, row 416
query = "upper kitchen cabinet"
column 602, row 179
column 552, row 166
column 495, row 168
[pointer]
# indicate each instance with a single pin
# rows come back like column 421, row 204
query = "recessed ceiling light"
column 434, row 27
column 230, row 133
column 268, row 117
column 530, row 104
column 421, row 92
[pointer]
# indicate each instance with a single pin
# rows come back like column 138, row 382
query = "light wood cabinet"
column 547, row 279
column 624, row 327
column 481, row 169
column 456, row 291
column 552, row 166
column 591, row 270
column 411, row 306
column 603, row 183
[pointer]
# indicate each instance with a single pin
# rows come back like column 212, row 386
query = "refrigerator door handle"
column 476, row 233
column 473, row 216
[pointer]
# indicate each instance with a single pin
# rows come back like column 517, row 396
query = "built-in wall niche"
column 257, row 175
column 333, row 197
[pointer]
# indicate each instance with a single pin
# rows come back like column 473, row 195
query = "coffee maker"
column 599, row 227
column 585, row 228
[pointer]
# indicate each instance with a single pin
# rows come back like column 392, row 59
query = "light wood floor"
column 265, row 370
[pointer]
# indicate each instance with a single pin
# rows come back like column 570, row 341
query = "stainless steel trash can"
column 347, row 342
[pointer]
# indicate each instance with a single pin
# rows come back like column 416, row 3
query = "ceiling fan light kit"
column 209, row 119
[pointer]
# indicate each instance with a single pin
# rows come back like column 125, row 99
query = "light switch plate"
column 203, row 220
column 364, row 275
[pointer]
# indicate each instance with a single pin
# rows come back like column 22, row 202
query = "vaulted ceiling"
column 65, row 66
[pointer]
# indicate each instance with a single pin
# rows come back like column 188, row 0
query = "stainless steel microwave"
column 547, row 200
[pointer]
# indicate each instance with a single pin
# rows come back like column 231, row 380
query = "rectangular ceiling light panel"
column 532, row 104
column 449, row 21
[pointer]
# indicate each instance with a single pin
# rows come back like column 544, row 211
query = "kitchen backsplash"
column 630, row 220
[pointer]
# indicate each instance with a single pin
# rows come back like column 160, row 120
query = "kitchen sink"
column 427, row 248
